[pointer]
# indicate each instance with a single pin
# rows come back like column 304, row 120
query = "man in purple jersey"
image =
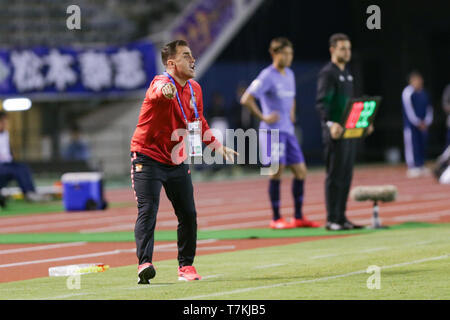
column 275, row 89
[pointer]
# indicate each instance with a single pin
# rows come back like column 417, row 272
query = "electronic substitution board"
column 358, row 116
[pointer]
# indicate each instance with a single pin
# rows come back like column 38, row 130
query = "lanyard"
column 178, row 97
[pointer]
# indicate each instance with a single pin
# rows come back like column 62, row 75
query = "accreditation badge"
column 195, row 138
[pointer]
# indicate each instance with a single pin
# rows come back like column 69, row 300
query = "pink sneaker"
column 280, row 224
column 304, row 223
column 146, row 271
column 188, row 273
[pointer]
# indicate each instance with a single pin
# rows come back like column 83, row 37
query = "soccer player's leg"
column 147, row 189
column 277, row 222
column 274, row 151
column 180, row 192
column 296, row 161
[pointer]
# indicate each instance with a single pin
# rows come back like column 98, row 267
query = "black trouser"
column 148, row 176
column 340, row 158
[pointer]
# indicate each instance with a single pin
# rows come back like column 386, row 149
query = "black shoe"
column 145, row 274
column 333, row 226
column 350, row 225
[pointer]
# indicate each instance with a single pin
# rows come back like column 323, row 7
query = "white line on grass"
column 270, row 265
column 80, row 256
column 373, row 249
column 145, row 287
column 212, row 276
column 64, row 296
column 312, row 280
column 96, row 254
column 230, row 247
column 46, row 247
column 325, row 256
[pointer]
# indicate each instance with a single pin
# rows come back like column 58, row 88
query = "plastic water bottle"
column 74, row 269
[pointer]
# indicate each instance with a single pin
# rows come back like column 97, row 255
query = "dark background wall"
column 413, row 35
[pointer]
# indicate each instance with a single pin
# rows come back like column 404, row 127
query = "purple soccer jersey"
column 276, row 92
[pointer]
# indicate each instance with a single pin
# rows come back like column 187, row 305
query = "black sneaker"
column 333, row 226
column 348, row 225
column 146, row 272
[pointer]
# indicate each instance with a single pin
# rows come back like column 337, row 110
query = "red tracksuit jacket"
column 159, row 117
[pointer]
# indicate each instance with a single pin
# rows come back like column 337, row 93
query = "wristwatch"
column 329, row 124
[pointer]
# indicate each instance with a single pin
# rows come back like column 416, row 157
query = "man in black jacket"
column 334, row 89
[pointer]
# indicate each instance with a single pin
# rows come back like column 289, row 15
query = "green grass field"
column 19, row 207
column 415, row 264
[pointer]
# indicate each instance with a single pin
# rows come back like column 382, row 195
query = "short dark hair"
column 278, row 44
column 414, row 73
column 3, row 114
column 338, row 37
column 170, row 49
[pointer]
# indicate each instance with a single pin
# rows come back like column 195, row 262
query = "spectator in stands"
column 417, row 118
column 12, row 170
column 77, row 149
column 446, row 107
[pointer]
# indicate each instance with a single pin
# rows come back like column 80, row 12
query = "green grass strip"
column 171, row 235
column 22, row 207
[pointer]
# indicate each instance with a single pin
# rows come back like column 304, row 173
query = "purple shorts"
column 288, row 149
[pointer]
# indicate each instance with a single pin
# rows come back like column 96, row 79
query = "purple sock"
column 274, row 194
column 297, row 193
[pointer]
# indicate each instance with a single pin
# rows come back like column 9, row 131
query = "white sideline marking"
column 424, row 242
column 237, row 225
column 145, row 287
column 80, row 256
column 325, row 256
column 212, row 276
column 94, row 254
column 413, row 217
column 230, row 247
column 206, row 216
column 312, row 280
column 270, row 265
column 64, row 224
column 46, row 247
column 64, row 296
column 374, row 249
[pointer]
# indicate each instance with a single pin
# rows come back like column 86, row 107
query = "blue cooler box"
column 83, row 191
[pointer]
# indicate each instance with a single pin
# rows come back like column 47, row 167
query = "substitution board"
column 358, row 116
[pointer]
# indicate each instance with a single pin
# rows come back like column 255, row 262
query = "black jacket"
column 334, row 88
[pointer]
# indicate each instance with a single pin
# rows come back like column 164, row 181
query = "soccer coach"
column 173, row 101
column 334, row 89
